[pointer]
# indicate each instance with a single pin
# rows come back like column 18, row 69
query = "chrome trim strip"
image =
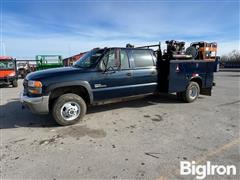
column 122, row 87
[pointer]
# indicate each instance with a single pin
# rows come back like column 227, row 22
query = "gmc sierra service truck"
column 113, row 73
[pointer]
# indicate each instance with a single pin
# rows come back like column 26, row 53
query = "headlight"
column 36, row 84
column 35, row 87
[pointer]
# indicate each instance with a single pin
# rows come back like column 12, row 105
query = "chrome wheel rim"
column 193, row 92
column 70, row 111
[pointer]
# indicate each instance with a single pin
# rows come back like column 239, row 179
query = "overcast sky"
column 32, row 27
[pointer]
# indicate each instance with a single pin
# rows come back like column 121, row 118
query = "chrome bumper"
column 38, row 105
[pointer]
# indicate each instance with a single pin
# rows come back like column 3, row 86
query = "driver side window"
column 110, row 60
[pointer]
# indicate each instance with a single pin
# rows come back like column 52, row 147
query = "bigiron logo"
column 202, row 171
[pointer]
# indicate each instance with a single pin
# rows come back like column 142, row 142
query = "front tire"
column 15, row 83
column 191, row 93
column 69, row 109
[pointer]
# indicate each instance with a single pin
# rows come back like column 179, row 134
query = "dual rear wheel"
column 191, row 93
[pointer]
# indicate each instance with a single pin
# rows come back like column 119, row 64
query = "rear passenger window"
column 124, row 59
column 142, row 58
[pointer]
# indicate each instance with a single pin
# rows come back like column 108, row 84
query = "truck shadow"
column 13, row 116
column 137, row 103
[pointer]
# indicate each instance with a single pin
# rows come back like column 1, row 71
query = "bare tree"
column 233, row 56
column 231, row 60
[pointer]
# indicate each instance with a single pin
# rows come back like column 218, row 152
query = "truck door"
column 145, row 71
column 115, row 81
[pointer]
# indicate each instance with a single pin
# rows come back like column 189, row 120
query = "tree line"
column 233, row 56
column 230, row 60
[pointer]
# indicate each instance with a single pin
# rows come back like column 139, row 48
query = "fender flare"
column 84, row 84
column 196, row 79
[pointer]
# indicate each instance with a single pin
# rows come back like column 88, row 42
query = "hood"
column 43, row 74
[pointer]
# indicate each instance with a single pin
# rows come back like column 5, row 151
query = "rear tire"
column 15, row 83
column 69, row 109
column 191, row 93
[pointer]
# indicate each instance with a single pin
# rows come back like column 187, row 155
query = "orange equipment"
column 206, row 51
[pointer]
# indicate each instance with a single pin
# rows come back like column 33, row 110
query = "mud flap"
column 206, row 91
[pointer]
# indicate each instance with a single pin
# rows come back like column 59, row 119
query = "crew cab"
column 113, row 73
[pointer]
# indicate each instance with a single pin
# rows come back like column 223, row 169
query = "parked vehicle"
column 48, row 61
column 8, row 71
column 23, row 68
column 114, row 73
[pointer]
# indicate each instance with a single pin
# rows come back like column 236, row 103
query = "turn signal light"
column 35, row 91
column 37, row 84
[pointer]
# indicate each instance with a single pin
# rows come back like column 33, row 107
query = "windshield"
column 90, row 58
column 6, row 64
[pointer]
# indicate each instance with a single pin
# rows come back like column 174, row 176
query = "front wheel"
column 69, row 109
column 15, row 83
column 191, row 93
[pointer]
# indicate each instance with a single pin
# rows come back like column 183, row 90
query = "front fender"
column 84, row 84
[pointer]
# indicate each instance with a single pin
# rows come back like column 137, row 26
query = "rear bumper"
column 37, row 105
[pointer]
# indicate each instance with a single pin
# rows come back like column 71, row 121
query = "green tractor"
column 48, row 61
